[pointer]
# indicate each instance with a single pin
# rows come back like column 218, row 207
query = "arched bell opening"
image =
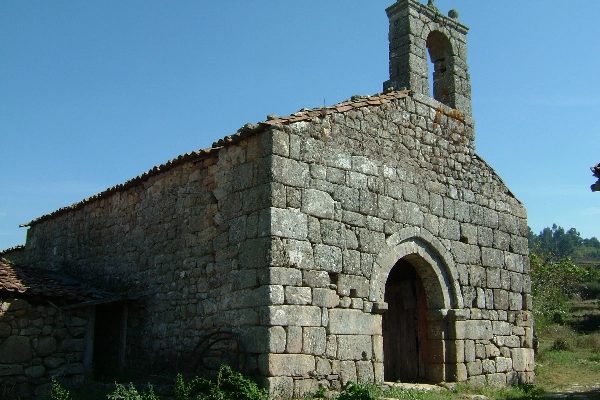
column 442, row 60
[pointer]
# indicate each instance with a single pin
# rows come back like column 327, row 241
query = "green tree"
column 555, row 242
column 552, row 284
column 592, row 242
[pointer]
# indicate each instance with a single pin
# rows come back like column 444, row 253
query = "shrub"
column 590, row 290
column 591, row 342
column 552, row 283
column 560, row 344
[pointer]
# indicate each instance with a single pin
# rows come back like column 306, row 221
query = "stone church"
column 365, row 241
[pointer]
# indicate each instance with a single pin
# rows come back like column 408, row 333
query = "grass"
column 568, row 358
column 460, row 391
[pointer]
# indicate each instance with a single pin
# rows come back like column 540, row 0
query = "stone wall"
column 187, row 244
column 38, row 342
column 357, row 191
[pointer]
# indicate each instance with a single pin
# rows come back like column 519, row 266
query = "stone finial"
column 431, row 5
column 453, row 13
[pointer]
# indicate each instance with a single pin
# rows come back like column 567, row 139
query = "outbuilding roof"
column 20, row 281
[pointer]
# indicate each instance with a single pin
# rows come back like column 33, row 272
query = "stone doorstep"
column 426, row 387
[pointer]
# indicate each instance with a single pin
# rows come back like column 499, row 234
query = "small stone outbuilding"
column 46, row 330
column 365, row 241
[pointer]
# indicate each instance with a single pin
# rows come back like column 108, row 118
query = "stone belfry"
column 420, row 35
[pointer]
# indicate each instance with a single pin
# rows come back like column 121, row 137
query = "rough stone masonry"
column 366, row 241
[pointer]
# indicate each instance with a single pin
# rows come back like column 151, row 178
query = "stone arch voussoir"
column 432, row 260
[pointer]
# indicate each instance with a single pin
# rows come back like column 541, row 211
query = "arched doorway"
column 418, row 256
column 405, row 325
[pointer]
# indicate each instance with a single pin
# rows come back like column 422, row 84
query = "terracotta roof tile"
column 343, row 108
column 245, row 131
column 26, row 281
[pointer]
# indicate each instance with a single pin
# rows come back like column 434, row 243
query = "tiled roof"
column 21, row 281
column 18, row 247
column 307, row 115
column 245, row 131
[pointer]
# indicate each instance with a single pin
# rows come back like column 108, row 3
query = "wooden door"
column 107, row 341
column 405, row 326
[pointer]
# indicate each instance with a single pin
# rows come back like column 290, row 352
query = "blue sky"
column 94, row 93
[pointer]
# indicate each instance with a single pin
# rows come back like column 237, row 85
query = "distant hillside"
column 559, row 243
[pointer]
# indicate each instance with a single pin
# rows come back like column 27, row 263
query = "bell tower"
column 420, row 35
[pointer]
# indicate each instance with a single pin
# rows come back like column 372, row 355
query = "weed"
column 354, row 391
column 321, row 393
column 58, row 392
column 229, row 384
column 129, row 392
column 182, row 391
column 405, row 394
